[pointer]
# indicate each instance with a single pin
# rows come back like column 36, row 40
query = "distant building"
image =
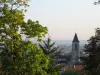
column 73, row 56
column 75, row 51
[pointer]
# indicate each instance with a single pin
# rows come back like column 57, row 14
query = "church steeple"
column 75, row 38
column 75, row 50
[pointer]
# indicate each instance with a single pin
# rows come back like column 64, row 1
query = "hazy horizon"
column 63, row 42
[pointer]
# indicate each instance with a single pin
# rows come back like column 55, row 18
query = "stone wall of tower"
column 75, row 52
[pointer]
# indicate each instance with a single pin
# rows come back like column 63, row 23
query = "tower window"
column 75, row 46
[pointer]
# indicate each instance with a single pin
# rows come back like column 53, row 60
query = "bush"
column 70, row 72
column 87, row 72
column 55, row 73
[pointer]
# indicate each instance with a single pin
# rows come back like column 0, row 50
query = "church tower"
column 75, row 50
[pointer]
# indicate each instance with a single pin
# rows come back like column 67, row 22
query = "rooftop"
column 75, row 38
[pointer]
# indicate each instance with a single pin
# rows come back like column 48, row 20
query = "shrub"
column 70, row 72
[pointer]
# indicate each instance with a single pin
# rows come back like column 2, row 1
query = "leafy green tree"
column 12, row 26
column 34, row 61
column 33, row 29
column 29, row 61
column 92, row 50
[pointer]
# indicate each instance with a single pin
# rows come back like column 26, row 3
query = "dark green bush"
column 70, row 72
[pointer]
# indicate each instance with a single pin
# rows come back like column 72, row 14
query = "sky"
column 64, row 18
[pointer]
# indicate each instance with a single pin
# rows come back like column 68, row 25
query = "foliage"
column 34, row 60
column 87, row 72
column 50, row 49
column 92, row 50
column 70, row 72
column 19, row 56
column 97, row 2
column 33, row 29
column 55, row 73
column 29, row 61
column 15, row 4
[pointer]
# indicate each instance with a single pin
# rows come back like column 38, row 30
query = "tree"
column 97, row 2
column 33, row 60
column 29, row 61
column 92, row 50
column 50, row 49
column 12, row 26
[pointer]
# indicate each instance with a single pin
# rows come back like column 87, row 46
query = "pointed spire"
column 75, row 38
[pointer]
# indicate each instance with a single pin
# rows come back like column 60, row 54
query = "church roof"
column 75, row 38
